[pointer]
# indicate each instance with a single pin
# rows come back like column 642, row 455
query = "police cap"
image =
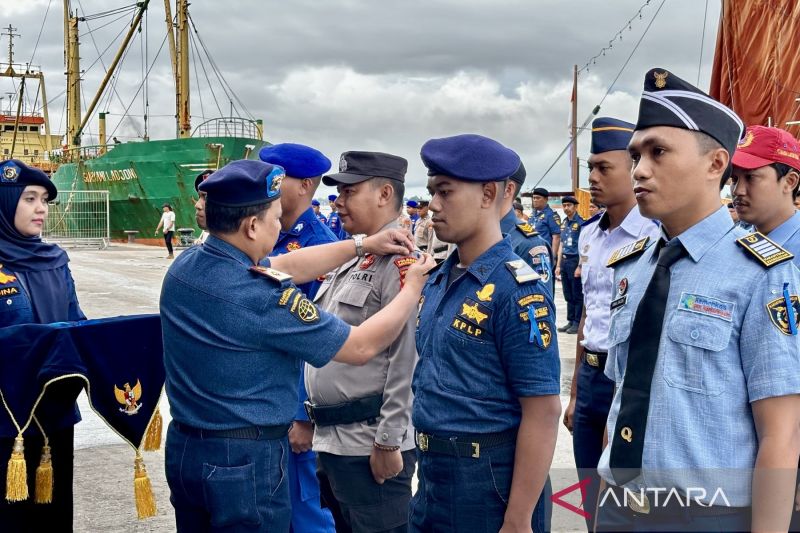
column 15, row 172
column 244, row 183
column 469, row 157
column 355, row 167
column 298, row 160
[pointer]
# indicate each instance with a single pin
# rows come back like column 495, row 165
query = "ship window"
column 5, row 151
column 23, row 128
column 8, row 128
column 36, row 152
column 25, row 152
column 34, row 128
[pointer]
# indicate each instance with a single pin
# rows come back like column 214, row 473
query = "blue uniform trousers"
column 227, row 485
column 595, row 392
column 469, row 495
column 573, row 290
column 308, row 516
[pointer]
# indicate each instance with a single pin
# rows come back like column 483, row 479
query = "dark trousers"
column 595, row 392
column 228, row 484
column 29, row 516
column 168, row 240
column 358, row 503
column 573, row 290
column 469, row 495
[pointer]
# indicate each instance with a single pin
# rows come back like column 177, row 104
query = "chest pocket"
column 15, row 308
column 351, row 302
column 694, row 360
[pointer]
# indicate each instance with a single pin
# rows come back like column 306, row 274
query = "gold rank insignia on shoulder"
column 629, row 250
column 271, row 273
column 527, row 230
column 522, row 272
column 766, row 251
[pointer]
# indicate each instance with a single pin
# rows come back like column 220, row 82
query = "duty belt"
column 465, row 445
column 595, row 359
column 363, row 409
column 248, row 433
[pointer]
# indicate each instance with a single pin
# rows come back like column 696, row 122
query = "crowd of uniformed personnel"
column 314, row 365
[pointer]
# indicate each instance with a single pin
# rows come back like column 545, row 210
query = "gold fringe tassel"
column 44, row 477
column 143, row 490
column 152, row 439
column 17, row 477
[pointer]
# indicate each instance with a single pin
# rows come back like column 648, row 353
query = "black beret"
column 569, row 200
column 15, row 172
column 520, row 175
column 539, row 191
column 203, row 176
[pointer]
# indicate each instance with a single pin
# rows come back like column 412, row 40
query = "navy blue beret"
column 569, row 200
column 332, row 197
column 244, row 183
column 668, row 100
column 299, row 161
column 520, row 175
column 539, row 191
column 469, row 157
column 412, row 203
column 610, row 134
column 315, row 202
column 15, row 172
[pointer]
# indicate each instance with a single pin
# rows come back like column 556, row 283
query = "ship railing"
column 79, row 153
column 229, row 127
column 79, row 219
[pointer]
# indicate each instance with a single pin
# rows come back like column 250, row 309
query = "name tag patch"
column 619, row 302
column 704, row 305
column 9, row 291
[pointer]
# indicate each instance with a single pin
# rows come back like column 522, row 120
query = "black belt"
column 248, row 433
column 595, row 359
column 464, row 445
column 363, row 409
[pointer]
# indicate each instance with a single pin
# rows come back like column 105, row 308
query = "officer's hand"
column 568, row 414
column 300, row 436
column 394, row 241
column 417, row 274
column 515, row 528
column 385, row 465
column 578, row 272
column 557, row 272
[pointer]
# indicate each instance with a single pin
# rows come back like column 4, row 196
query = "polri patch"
column 629, row 250
column 766, row 251
column 402, row 265
column 704, row 305
column 778, row 315
column 368, row 261
column 292, row 246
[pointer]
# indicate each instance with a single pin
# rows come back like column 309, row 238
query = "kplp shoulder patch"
column 298, row 305
column 629, row 250
column 767, row 252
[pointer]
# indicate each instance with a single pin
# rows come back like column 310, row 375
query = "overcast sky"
column 376, row 75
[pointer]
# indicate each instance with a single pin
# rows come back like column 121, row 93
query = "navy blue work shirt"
column 570, row 231
column 530, row 246
column 234, row 340
column 476, row 353
column 335, row 225
column 547, row 223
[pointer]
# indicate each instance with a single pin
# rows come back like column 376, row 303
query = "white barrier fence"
column 79, row 218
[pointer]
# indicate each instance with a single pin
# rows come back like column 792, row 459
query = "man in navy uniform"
column 486, row 386
column 300, row 228
column 334, row 222
column 527, row 243
column 621, row 224
column 567, row 266
column 703, row 343
column 235, row 330
column 315, row 206
column 545, row 220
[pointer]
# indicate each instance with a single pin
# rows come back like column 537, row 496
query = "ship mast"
column 73, row 69
column 181, row 70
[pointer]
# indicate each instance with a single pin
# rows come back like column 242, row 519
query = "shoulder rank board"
column 271, row 273
column 522, row 271
column 762, row 248
column 629, row 250
column 527, row 230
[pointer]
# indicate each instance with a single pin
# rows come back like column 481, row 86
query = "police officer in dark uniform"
column 334, row 222
column 527, row 243
column 315, row 206
column 568, row 263
column 300, row 228
column 486, row 386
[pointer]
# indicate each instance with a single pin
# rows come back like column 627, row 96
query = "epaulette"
column 522, row 271
column 527, row 230
column 271, row 273
column 762, row 248
column 629, row 250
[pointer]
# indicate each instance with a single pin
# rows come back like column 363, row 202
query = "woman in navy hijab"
column 36, row 286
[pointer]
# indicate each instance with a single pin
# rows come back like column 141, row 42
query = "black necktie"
column 628, row 439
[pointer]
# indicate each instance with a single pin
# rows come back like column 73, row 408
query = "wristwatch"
column 359, row 240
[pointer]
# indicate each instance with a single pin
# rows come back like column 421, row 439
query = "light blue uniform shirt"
column 719, row 351
column 787, row 235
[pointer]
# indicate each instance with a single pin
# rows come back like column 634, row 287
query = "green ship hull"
column 142, row 176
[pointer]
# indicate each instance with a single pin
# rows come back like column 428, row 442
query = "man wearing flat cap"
column 703, row 343
column 621, row 224
column 545, row 220
column 300, row 228
column 486, row 387
column 567, row 266
column 235, row 330
column 362, row 416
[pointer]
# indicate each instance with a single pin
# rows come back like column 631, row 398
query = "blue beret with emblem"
column 299, row 161
column 244, row 183
column 668, row 100
column 315, row 202
column 609, row 134
column 332, row 197
column 469, row 157
column 15, row 172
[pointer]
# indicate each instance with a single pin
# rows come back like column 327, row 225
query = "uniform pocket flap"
column 620, row 329
column 354, row 294
column 706, row 332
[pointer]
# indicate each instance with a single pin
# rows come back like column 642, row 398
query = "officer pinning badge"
column 368, row 261
column 527, row 230
column 129, row 397
column 292, row 246
column 10, row 172
column 402, row 265
column 522, row 272
column 785, row 317
column 629, row 250
column 766, row 251
column 622, row 287
column 485, row 294
column 271, row 273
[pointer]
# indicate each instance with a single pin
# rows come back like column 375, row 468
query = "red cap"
column 762, row 146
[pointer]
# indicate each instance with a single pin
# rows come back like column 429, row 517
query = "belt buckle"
column 309, row 407
column 476, row 449
column 593, row 360
column 422, row 441
column 634, row 503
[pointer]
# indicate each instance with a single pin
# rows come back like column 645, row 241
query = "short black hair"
column 222, row 219
column 398, row 187
column 706, row 143
column 782, row 169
